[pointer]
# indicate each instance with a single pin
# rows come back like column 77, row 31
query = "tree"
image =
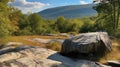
column 64, row 25
column 60, row 24
column 15, row 17
column 5, row 23
column 87, row 26
column 37, row 24
column 108, row 13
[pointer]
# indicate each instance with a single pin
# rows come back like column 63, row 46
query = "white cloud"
column 28, row 6
column 83, row 2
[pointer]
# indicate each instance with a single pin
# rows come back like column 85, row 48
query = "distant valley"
column 72, row 11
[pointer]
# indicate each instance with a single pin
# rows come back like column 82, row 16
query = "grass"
column 114, row 54
column 54, row 46
column 26, row 39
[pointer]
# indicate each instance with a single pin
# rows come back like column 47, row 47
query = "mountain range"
column 71, row 11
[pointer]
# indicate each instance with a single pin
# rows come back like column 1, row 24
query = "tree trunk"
column 118, row 13
column 114, row 13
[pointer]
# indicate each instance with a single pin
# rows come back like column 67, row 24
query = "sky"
column 39, row 5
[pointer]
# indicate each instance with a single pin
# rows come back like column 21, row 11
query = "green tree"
column 16, row 17
column 64, row 25
column 37, row 23
column 51, row 26
column 60, row 24
column 87, row 27
column 5, row 23
column 108, row 13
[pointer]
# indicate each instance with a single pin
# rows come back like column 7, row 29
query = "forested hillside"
column 72, row 11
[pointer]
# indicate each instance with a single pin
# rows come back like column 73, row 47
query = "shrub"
column 23, row 32
column 86, row 27
column 54, row 46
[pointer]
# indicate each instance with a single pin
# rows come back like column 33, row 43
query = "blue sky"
column 38, row 5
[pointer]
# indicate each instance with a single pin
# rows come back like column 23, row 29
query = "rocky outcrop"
column 28, row 56
column 87, row 44
column 46, row 41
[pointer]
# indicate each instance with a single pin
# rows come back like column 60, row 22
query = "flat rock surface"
column 28, row 56
column 45, row 41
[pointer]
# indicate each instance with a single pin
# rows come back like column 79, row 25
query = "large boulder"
column 89, row 44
